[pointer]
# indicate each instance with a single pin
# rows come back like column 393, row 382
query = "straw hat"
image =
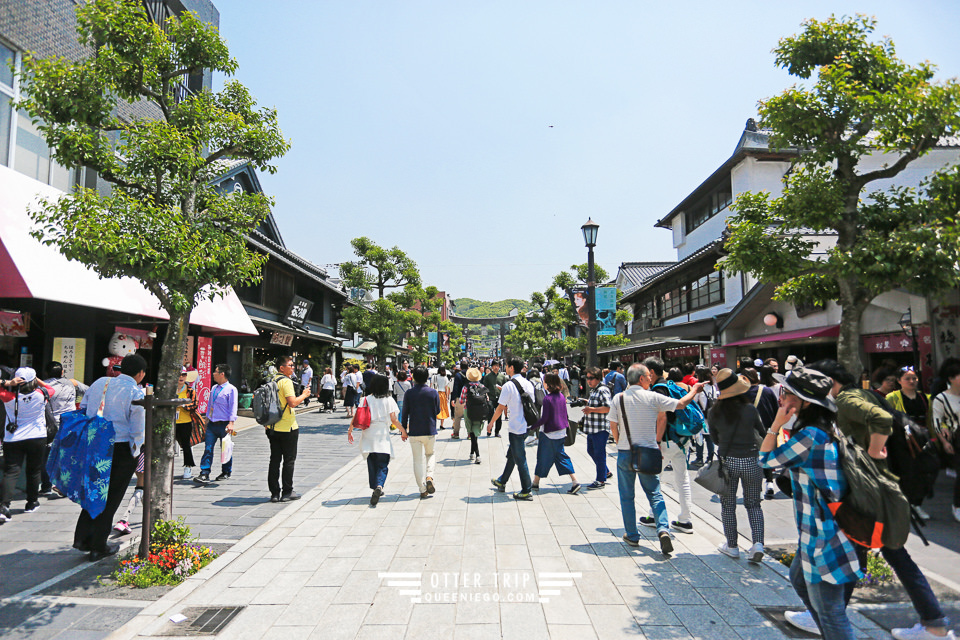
column 730, row 384
column 473, row 374
column 809, row 385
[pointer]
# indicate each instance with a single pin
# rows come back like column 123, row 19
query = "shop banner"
column 683, row 352
column 626, row 358
column 643, row 355
column 204, row 369
column 71, row 353
column 887, row 343
column 283, row 339
column 606, row 311
column 718, row 357
column 14, row 324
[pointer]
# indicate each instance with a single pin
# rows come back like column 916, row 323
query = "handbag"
column 361, row 420
column 713, row 477
column 571, row 437
column 226, row 449
column 645, row 460
column 81, row 458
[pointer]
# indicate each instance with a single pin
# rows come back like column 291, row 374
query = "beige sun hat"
column 473, row 374
column 730, row 384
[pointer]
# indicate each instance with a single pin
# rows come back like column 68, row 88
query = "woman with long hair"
column 736, row 427
column 826, row 561
column 706, row 399
column 440, row 382
column 375, row 444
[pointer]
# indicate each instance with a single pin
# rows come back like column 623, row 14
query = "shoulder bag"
column 646, row 460
column 713, row 477
column 361, row 420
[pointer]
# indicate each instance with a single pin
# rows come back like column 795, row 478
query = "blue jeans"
column 377, row 469
column 916, row 585
column 215, row 431
column 597, row 449
column 826, row 602
column 626, row 478
column 517, row 457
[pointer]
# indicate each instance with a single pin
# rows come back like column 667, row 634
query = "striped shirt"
column 811, row 458
column 597, row 422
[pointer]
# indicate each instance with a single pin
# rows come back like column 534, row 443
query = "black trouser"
column 45, row 484
column 90, row 533
column 474, row 447
column 14, row 454
column 283, row 446
column 183, row 431
column 499, row 420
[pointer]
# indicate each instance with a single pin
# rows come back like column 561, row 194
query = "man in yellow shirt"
column 284, row 434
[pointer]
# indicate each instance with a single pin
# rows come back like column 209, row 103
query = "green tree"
column 864, row 102
column 423, row 318
column 378, row 269
column 162, row 223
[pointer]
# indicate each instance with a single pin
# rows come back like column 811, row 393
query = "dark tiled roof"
column 637, row 273
column 272, row 248
column 676, row 267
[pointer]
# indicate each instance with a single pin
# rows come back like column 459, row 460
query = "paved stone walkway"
column 472, row 563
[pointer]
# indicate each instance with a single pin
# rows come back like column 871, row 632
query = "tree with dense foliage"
column 865, row 103
column 423, row 318
column 377, row 269
column 470, row 308
column 162, row 223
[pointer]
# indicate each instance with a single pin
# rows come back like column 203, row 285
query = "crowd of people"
column 764, row 430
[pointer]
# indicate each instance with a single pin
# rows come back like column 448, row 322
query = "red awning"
column 33, row 270
column 819, row 332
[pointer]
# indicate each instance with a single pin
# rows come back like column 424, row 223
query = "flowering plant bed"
column 173, row 557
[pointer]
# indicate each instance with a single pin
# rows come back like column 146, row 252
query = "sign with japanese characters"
column 683, row 352
column 297, row 313
column 718, row 357
column 204, row 369
column 887, row 343
column 71, row 353
column 283, row 339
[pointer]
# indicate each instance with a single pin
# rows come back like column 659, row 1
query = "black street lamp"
column 590, row 239
column 906, row 324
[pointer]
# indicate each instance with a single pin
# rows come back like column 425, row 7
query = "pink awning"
column 819, row 332
column 33, row 270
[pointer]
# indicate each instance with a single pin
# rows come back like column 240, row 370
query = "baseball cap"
column 26, row 373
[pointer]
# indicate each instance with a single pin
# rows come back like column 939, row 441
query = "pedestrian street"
column 468, row 562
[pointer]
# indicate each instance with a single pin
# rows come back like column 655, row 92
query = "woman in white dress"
column 375, row 444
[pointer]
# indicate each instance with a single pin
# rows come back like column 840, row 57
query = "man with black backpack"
column 861, row 416
column 516, row 397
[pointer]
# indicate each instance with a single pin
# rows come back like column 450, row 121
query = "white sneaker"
column 187, row 473
column 923, row 515
column 531, row 440
column 769, row 490
column 802, row 620
column 951, row 473
column 473, row 456
column 755, row 554
column 956, row 513
column 733, row 552
column 918, row 632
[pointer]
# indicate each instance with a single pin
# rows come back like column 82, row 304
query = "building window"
column 675, row 302
column 713, row 203
column 21, row 145
column 706, row 291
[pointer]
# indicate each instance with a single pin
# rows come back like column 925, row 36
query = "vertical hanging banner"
column 71, row 353
column 204, row 369
column 431, row 342
column 606, row 311
column 578, row 298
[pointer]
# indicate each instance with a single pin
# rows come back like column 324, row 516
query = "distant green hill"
column 470, row 308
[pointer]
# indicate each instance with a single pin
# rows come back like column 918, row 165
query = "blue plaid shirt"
column 597, row 422
column 811, row 458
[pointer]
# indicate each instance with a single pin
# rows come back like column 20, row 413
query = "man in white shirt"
column 517, row 430
column 643, row 409
column 306, row 377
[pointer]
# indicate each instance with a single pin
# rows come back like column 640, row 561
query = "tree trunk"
column 161, row 462
column 848, row 343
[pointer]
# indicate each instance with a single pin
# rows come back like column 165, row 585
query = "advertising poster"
column 445, row 341
column 14, row 324
column 432, row 341
column 606, row 311
column 71, row 353
column 205, row 370
column 578, row 298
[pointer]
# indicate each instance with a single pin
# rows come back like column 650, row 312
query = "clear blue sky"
column 478, row 136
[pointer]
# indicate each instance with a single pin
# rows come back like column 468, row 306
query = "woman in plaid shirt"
column 826, row 562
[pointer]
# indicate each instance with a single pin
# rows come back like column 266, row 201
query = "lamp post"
column 906, row 325
column 590, row 239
